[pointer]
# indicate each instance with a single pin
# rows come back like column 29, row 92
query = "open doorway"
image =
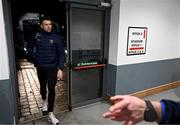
column 85, row 27
column 25, row 20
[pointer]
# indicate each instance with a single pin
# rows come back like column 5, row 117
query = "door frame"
column 14, row 96
column 105, row 48
column 68, row 13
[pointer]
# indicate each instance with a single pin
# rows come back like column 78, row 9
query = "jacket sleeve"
column 30, row 49
column 61, row 53
column 170, row 112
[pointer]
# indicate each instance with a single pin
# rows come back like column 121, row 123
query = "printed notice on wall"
column 137, row 38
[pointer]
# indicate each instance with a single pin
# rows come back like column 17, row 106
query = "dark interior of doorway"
column 25, row 22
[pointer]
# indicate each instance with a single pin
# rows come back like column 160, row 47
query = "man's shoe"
column 53, row 119
column 45, row 106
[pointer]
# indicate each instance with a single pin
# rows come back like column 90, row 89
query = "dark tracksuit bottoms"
column 47, row 76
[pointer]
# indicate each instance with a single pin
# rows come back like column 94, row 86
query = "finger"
column 119, row 118
column 121, row 105
column 117, row 97
column 107, row 114
column 128, row 123
column 58, row 78
column 110, row 114
column 60, row 75
column 113, row 118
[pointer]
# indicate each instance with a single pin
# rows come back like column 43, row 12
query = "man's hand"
column 126, row 108
column 59, row 74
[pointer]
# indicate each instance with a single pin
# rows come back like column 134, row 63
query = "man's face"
column 46, row 25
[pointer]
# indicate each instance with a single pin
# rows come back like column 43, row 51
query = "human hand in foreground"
column 126, row 108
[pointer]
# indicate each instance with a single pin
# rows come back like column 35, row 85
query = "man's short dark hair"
column 45, row 18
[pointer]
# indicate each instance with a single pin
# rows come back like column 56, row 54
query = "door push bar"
column 89, row 67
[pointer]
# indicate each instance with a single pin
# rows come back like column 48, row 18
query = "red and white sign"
column 137, row 37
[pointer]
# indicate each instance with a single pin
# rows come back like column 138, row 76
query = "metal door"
column 85, row 54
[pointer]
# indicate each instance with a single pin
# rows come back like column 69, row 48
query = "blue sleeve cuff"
column 164, row 116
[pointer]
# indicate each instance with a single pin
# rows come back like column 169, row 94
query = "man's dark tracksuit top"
column 46, row 50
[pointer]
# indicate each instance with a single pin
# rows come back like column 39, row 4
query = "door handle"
column 89, row 67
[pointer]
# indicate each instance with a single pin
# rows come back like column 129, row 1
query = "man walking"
column 47, row 54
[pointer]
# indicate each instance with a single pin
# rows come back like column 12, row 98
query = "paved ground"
column 31, row 103
column 30, row 99
column 92, row 114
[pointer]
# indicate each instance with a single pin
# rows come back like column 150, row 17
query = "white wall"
column 162, row 19
column 4, row 65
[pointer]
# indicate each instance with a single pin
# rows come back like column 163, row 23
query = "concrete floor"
column 92, row 114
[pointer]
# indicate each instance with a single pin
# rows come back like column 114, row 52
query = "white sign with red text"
column 137, row 38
